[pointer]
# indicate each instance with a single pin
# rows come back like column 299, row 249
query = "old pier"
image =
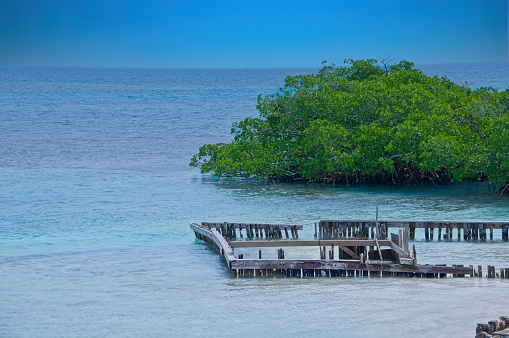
column 341, row 249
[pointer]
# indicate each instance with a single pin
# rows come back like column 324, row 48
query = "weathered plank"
column 218, row 240
column 326, row 242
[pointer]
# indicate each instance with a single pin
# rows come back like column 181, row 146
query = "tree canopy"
column 368, row 121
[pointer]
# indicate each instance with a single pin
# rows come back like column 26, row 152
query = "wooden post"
column 479, row 270
column 400, row 238
column 405, row 239
column 439, row 231
column 378, row 231
column 505, row 232
column 491, row 271
column 491, row 231
column 475, row 231
column 426, row 232
column 431, row 231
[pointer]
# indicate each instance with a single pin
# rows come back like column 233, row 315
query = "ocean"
column 96, row 197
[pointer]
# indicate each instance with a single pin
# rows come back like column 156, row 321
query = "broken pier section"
column 360, row 257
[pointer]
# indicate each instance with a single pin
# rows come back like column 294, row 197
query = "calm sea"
column 96, row 197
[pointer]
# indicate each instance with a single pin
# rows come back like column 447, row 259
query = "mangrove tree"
column 369, row 122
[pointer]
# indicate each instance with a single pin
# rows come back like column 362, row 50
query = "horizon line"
column 234, row 67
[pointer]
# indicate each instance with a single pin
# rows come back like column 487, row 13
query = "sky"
column 249, row 33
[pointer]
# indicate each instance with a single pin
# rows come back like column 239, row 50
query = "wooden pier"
column 446, row 230
column 338, row 257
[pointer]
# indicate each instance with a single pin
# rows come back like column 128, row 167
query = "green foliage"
column 376, row 122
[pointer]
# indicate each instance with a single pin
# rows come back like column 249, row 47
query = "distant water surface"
column 96, row 196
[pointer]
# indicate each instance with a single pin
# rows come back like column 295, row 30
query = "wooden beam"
column 328, row 242
column 400, row 252
column 350, row 252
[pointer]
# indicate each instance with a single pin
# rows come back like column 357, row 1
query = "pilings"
column 338, row 268
column 445, row 230
column 335, row 229
column 349, row 229
column 254, row 230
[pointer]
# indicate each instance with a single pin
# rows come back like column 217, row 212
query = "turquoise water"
column 96, row 198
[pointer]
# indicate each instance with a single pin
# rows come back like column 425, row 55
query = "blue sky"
column 249, row 33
